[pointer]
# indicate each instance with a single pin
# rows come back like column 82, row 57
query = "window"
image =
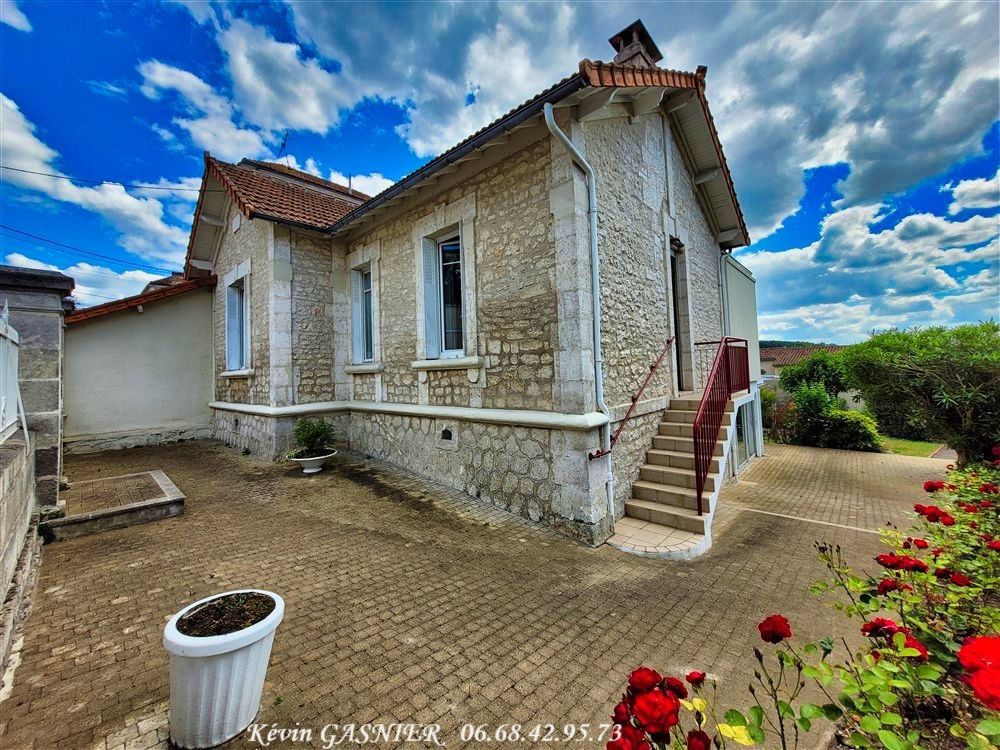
column 363, row 316
column 238, row 325
column 452, row 331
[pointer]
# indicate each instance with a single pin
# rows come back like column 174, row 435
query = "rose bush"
column 928, row 676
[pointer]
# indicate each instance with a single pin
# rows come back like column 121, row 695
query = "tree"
column 947, row 379
column 822, row 367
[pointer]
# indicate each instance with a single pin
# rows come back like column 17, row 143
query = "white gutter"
column 595, row 293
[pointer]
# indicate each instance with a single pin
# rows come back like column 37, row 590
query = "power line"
column 79, row 272
column 84, row 252
column 110, row 182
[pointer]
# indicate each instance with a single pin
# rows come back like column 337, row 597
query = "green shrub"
column 313, row 434
column 946, row 380
column 812, row 407
column 768, row 399
column 822, row 367
column 852, row 431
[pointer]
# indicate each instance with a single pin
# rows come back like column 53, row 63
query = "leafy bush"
column 313, row 436
column 930, row 681
column 822, row 367
column 944, row 379
column 898, row 423
column 768, row 400
column 852, row 431
column 813, row 405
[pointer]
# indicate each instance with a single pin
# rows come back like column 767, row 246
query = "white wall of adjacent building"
column 135, row 378
column 741, row 310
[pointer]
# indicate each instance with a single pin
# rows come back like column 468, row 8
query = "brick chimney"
column 634, row 46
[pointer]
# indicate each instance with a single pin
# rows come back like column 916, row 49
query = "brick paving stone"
column 408, row 601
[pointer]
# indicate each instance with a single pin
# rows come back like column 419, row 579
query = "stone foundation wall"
column 630, row 453
column 133, row 439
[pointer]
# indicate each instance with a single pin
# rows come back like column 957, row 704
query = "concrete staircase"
column 665, row 493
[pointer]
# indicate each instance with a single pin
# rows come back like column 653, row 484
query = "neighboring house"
column 773, row 359
column 139, row 370
column 447, row 324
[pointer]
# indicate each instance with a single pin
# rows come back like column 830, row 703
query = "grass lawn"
column 910, row 447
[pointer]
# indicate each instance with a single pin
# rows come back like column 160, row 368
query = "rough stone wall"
column 514, row 468
column 249, row 242
column 364, row 387
column 17, row 500
column 35, row 300
column 448, row 388
column 312, row 318
column 515, row 288
column 630, row 454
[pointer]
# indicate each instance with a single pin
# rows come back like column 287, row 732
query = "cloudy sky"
column 864, row 138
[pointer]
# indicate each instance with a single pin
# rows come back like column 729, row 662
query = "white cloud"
column 276, row 88
column 974, row 194
column 11, row 15
column 369, row 184
column 211, row 117
column 139, row 220
column 106, row 88
column 201, row 10
column 94, row 284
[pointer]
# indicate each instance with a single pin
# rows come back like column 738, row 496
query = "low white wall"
column 136, row 378
column 741, row 313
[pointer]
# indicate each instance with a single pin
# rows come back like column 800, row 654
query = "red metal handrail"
column 635, row 400
column 730, row 374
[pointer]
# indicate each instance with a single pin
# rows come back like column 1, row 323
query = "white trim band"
column 448, row 363
column 520, row 417
column 363, row 368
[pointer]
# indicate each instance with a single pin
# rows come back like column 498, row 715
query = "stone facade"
column 526, row 263
column 18, row 535
column 38, row 304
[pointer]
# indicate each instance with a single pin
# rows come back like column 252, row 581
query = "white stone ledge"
column 520, row 417
column 363, row 368
column 448, row 363
column 236, row 374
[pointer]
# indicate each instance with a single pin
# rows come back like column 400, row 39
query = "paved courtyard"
column 406, row 602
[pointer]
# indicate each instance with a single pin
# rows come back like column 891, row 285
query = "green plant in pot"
column 313, row 437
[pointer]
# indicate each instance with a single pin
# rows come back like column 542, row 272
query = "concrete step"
column 680, row 459
column 675, row 477
column 678, row 518
column 684, row 429
column 680, row 443
column 676, row 415
column 662, row 494
column 692, row 404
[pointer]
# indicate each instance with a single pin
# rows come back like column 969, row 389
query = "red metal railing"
column 635, row 400
column 730, row 374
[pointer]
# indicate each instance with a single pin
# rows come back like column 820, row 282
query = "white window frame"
column 364, row 260
column 450, row 353
column 362, row 325
column 238, row 363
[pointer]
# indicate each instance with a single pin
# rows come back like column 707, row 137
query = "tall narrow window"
column 237, row 326
column 367, row 317
column 452, row 328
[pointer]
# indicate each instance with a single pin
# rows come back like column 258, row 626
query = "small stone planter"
column 313, row 464
column 216, row 681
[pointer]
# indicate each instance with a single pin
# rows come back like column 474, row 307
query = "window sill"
column 448, row 363
column 364, row 368
column 236, row 374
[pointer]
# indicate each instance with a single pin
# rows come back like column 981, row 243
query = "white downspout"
column 595, row 293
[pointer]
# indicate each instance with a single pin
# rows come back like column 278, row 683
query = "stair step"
column 680, row 459
column 677, row 415
column 673, row 476
column 663, row 494
column 692, row 404
column 678, row 518
column 681, row 443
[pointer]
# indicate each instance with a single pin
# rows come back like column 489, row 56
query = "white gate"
column 10, row 394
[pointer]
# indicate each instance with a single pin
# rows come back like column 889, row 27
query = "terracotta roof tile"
column 298, row 174
column 150, row 295
column 791, row 355
column 260, row 192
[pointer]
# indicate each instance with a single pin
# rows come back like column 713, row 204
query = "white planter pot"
column 216, row 681
column 314, row 464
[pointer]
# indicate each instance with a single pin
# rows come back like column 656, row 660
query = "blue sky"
column 863, row 138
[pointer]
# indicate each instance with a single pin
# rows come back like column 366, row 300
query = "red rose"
column 913, row 564
column 980, row 652
column 774, row 629
column 656, row 711
column 985, row 684
column 887, row 585
column 942, row 572
column 696, row 678
column 621, row 714
column 933, row 485
column 698, row 740
column 880, row 627
column 947, row 520
column 995, row 450
column 644, row 679
column 960, row 579
column 629, row 738
column 913, row 643
column 988, row 488
column 889, row 560
column 675, row 686
column 986, row 504
column 920, row 543
column 994, row 545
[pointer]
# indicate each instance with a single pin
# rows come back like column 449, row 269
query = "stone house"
column 448, row 324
